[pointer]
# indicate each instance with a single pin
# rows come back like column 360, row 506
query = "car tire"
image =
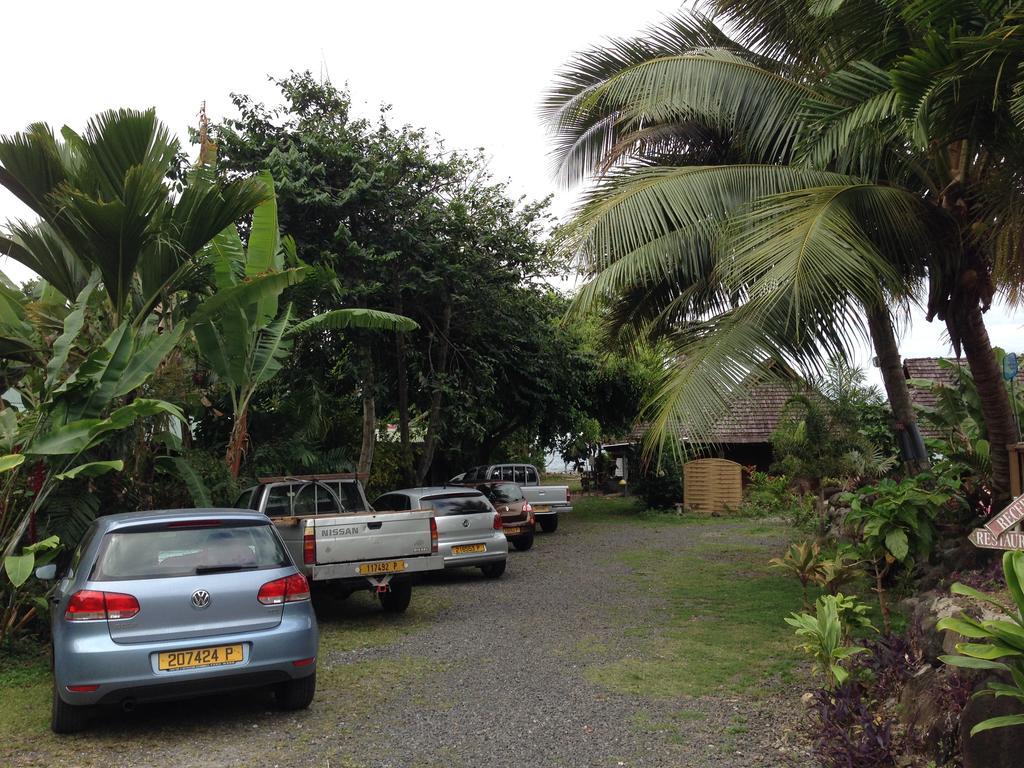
column 548, row 523
column 493, row 570
column 67, row 718
column 524, row 542
column 396, row 600
column 297, row 694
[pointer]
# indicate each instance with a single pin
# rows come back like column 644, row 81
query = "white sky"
column 473, row 72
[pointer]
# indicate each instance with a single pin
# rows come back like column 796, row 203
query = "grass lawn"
column 719, row 627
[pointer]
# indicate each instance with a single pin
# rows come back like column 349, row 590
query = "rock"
column 924, row 710
column 962, row 556
column 927, row 609
column 931, row 576
column 925, row 638
column 998, row 748
column 807, row 699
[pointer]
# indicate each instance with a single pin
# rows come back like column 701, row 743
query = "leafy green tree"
column 764, row 196
column 896, row 520
column 241, row 334
column 386, row 217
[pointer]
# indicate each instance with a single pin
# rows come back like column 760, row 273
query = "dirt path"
column 479, row 673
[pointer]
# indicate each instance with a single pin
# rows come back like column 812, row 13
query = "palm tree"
column 105, row 204
column 113, row 245
column 775, row 195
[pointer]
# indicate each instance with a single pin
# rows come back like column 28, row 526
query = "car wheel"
column 524, row 542
column 493, row 570
column 297, row 694
column 66, row 718
column 548, row 523
column 397, row 599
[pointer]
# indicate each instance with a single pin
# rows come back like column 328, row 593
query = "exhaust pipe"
column 128, row 705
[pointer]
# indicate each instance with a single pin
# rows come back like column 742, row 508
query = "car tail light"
column 90, row 605
column 527, row 508
column 309, row 547
column 120, row 606
column 497, row 522
column 304, row 662
column 83, row 688
column 433, row 534
column 290, row 589
column 568, row 495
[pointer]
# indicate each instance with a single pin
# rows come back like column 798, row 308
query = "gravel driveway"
column 479, row 673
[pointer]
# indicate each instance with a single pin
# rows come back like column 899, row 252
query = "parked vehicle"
column 174, row 604
column 469, row 529
column 548, row 501
column 518, row 522
column 341, row 542
column 294, row 496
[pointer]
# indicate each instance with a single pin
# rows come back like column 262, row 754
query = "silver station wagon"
column 164, row 605
column 469, row 528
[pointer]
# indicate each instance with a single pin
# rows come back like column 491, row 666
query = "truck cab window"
column 531, row 476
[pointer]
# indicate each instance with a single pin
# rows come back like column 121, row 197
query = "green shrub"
column 1002, row 641
column 824, row 634
column 663, row 488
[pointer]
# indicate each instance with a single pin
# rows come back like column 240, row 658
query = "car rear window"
column 506, row 493
column 148, row 553
column 457, row 505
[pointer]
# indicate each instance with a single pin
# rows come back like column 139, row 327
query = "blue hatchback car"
column 164, row 605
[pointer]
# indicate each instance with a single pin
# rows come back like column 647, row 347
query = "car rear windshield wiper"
column 223, row 568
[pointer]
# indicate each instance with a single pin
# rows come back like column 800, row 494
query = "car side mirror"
column 47, row 572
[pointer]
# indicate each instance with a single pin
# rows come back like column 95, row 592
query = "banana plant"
column 241, row 333
column 18, row 568
column 71, row 399
column 995, row 644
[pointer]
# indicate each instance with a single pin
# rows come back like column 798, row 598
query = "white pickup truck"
column 337, row 538
column 548, row 501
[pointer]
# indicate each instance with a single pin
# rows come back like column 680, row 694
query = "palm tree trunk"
column 890, row 364
column 995, row 400
column 369, row 420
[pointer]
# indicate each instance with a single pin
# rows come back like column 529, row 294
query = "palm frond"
column 683, row 70
column 356, row 317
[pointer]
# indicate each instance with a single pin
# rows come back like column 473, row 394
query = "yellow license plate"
column 513, row 529
column 541, row 508
column 465, row 549
column 201, row 657
column 389, row 566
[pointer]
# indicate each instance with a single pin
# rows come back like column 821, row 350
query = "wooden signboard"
column 981, row 537
column 1008, row 518
column 997, row 533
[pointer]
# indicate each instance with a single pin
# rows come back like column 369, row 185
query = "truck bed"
column 361, row 544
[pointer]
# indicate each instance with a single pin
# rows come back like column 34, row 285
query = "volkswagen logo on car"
column 200, row 598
